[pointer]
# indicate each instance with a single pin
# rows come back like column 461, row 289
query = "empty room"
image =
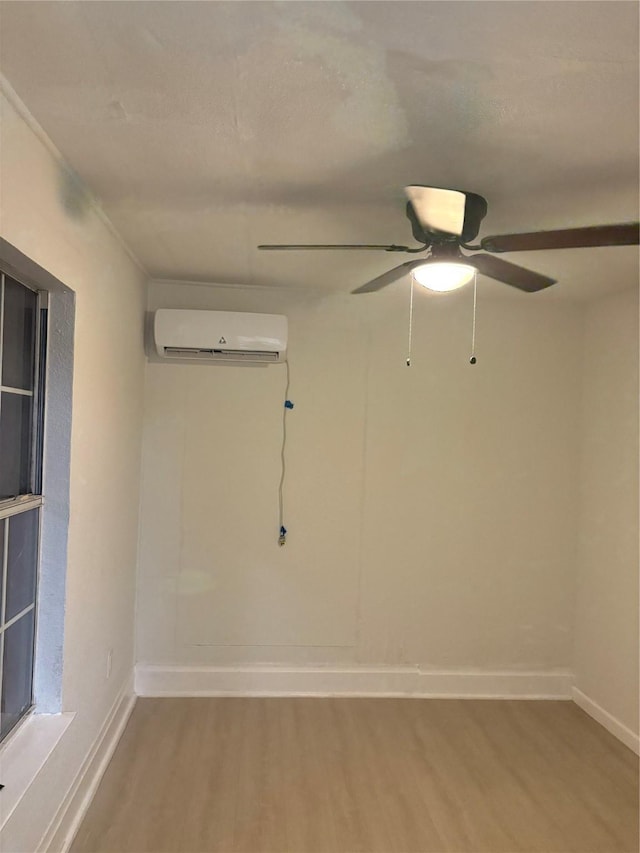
column 319, row 436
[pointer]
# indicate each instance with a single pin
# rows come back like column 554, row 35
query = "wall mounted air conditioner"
column 220, row 336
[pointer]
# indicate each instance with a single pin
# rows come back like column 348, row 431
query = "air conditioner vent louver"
column 198, row 335
column 220, row 355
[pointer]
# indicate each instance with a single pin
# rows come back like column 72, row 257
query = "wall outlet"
column 109, row 662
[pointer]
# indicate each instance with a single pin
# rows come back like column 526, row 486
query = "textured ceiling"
column 206, row 128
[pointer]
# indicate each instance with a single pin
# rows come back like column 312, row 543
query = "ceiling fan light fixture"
column 443, row 276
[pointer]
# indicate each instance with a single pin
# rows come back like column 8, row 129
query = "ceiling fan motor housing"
column 447, row 250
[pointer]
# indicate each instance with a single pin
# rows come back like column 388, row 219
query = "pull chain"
column 288, row 405
column 472, row 360
column 410, row 341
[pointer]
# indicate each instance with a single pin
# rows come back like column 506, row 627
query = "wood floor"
column 383, row 775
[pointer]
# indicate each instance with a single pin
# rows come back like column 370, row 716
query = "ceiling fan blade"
column 627, row 234
column 509, row 273
column 387, row 277
column 439, row 211
column 305, row 246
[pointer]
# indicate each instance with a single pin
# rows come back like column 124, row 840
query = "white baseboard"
column 610, row 723
column 63, row 827
column 269, row 680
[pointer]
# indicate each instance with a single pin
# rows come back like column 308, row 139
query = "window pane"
column 15, row 444
column 18, row 335
column 22, row 562
column 17, row 671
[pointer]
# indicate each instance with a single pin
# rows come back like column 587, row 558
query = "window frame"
column 56, row 484
column 33, row 499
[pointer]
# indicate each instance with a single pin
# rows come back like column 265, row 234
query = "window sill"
column 25, row 754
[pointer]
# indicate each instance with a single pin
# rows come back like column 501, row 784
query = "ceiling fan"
column 443, row 221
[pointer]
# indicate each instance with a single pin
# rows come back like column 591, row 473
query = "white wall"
column 83, row 253
column 432, row 511
column 606, row 645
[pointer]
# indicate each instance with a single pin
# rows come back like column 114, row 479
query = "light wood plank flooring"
column 367, row 775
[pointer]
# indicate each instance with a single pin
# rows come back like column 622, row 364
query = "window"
column 23, row 318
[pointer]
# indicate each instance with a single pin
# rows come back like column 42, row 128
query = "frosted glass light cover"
column 443, row 275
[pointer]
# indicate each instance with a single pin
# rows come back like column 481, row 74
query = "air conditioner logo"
column 222, row 341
